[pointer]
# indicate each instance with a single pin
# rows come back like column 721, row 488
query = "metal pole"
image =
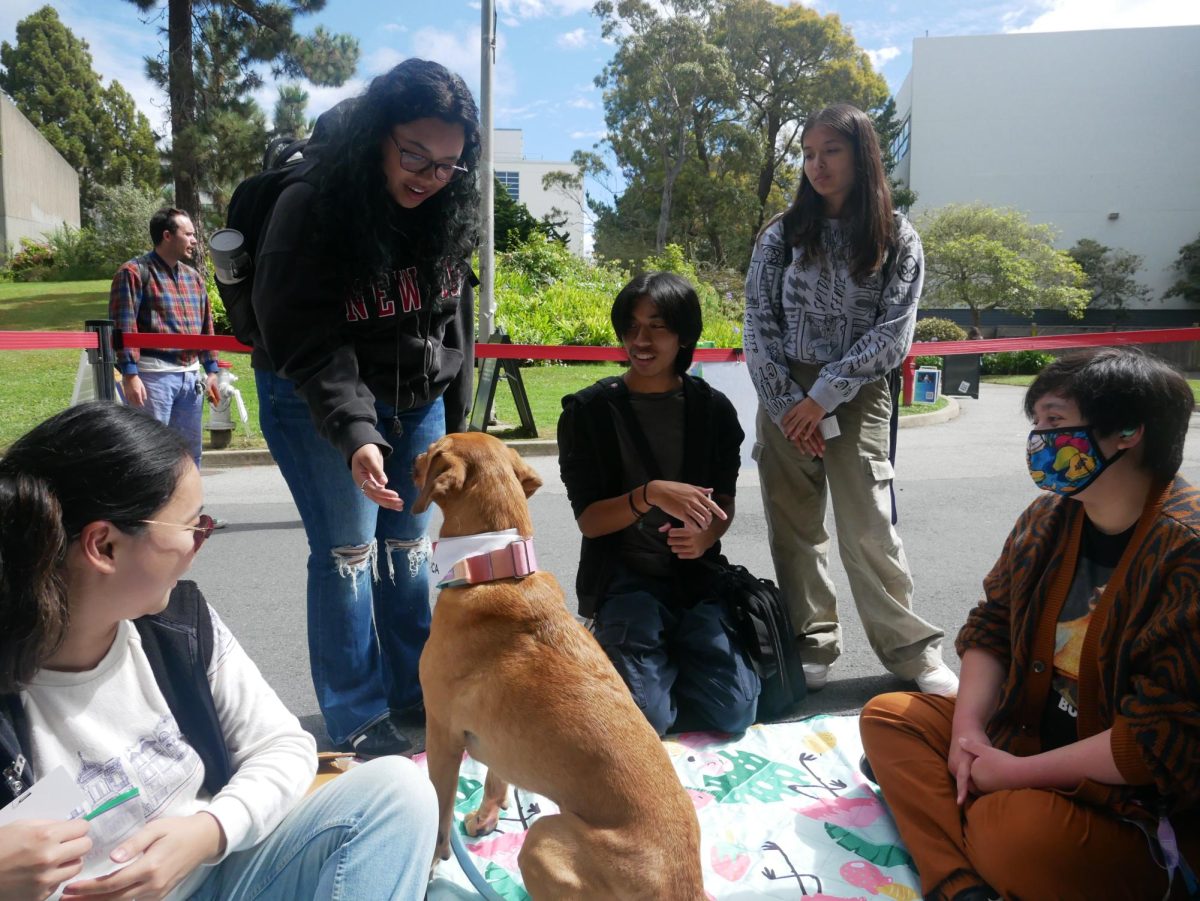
column 487, row 179
column 102, row 358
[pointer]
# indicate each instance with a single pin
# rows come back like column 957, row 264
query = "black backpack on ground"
column 764, row 627
column 249, row 212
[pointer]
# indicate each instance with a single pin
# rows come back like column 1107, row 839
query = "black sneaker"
column 412, row 716
column 380, row 740
column 864, row 767
column 978, row 893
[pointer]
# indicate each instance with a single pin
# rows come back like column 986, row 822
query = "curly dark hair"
column 868, row 209
column 360, row 229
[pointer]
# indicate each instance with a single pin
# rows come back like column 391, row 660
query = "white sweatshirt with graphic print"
column 814, row 312
column 112, row 729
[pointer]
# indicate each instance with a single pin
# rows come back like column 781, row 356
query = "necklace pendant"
column 397, row 427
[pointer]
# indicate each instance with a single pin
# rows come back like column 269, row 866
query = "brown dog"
column 511, row 677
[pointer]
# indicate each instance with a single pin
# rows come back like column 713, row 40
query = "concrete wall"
column 509, row 156
column 1068, row 127
column 39, row 190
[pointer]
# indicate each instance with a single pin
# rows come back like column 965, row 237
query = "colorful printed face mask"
column 1066, row 461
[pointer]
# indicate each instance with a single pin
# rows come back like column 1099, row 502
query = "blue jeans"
column 676, row 660
column 367, row 834
column 176, row 399
column 368, row 573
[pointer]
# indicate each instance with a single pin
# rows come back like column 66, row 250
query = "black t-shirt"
column 644, row 548
column 1099, row 554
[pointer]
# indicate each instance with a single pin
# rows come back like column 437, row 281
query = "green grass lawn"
column 35, row 384
column 52, row 306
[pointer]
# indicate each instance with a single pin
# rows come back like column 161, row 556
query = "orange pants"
column 1029, row 844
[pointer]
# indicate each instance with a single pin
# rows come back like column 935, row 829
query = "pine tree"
column 249, row 34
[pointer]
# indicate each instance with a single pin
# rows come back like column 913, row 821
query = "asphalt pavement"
column 960, row 485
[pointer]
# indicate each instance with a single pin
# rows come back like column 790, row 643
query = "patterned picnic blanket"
column 784, row 813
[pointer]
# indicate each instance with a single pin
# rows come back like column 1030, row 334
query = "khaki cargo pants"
column 855, row 471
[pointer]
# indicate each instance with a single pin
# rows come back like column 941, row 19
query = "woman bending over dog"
column 363, row 300
column 650, row 463
column 1069, row 766
column 120, row 674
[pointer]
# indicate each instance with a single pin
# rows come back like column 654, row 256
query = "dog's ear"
column 444, row 473
column 530, row 480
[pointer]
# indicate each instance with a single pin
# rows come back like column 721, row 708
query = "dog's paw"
column 481, row 822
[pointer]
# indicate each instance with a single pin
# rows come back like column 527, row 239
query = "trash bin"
column 928, row 385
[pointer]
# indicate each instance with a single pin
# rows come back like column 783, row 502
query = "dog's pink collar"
column 513, row 561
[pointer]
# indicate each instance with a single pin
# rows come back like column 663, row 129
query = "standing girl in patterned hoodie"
column 831, row 302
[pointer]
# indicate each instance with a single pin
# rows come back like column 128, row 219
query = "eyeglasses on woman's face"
column 200, row 531
column 413, row 162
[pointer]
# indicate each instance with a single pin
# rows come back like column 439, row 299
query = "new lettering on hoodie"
column 400, row 284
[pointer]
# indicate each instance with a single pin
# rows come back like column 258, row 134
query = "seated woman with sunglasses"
column 112, row 668
column 363, row 299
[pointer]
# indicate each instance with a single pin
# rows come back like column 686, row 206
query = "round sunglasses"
column 200, row 532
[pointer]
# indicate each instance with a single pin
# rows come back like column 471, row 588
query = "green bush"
column 1018, row 362
column 935, row 362
column 220, row 318
column 32, row 262
column 544, row 295
column 935, row 329
column 77, row 255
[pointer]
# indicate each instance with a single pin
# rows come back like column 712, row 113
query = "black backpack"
column 764, row 628
column 249, row 212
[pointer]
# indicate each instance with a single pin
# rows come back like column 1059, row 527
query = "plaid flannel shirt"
column 173, row 302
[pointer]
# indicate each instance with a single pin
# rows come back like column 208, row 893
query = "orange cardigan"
column 1140, row 667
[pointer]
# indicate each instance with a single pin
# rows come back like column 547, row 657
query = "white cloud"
column 396, row 27
column 884, row 55
column 588, row 135
column 536, row 9
column 572, row 40
column 581, row 103
column 381, row 60
column 1081, row 15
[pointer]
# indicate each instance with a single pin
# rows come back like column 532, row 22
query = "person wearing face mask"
column 1068, row 765
column 363, row 299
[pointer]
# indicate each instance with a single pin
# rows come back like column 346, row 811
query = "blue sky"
column 549, row 51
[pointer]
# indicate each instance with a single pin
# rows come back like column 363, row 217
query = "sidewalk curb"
column 948, row 412
column 526, row 447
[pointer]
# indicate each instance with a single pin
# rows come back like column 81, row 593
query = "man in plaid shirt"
column 157, row 292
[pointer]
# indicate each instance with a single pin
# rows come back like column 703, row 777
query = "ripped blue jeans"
column 368, row 573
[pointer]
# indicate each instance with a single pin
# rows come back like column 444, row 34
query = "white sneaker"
column 815, row 675
column 939, row 679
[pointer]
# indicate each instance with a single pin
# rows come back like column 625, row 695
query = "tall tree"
column 664, row 74
column 97, row 129
column 787, row 63
column 888, row 128
column 1111, row 275
column 994, row 259
column 1187, row 265
column 289, row 118
column 265, row 35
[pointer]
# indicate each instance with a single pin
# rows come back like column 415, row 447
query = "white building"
column 39, row 191
column 1093, row 132
column 523, row 179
